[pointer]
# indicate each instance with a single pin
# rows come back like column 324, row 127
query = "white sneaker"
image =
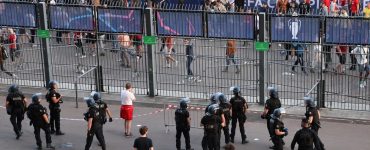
column 83, row 56
column 168, row 65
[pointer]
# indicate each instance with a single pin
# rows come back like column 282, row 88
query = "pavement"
column 335, row 135
column 335, row 115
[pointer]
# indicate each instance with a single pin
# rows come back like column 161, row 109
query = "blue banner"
column 179, row 23
column 234, row 26
column 18, row 14
column 71, row 18
column 349, row 31
column 315, row 4
column 295, row 29
column 120, row 20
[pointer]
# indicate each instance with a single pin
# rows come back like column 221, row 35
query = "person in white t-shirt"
column 127, row 108
column 361, row 53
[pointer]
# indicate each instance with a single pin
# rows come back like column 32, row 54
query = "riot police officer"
column 239, row 107
column 102, row 106
column 39, row 119
column 212, row 124
column 305, row 137
column 16, row 105
column 278, row 130
column 54, row 99
column 94, row 123
column 182, row 119
column 225, row 107
column 312, row 114
column 271, row 104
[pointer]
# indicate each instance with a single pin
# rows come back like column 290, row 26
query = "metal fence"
column 109, row 38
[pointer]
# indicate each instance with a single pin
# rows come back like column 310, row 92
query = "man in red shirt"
column 355, row 5
column 12, row 44
column 327, row 3
column 341, row 52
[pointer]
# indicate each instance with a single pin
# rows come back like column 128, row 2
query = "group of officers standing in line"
column 217, row 119
column 220, row 111
column 16, row 107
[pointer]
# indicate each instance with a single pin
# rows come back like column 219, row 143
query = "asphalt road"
column 209, row 62
column 336, row 136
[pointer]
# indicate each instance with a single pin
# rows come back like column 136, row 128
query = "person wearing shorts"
column 127, row 108
column 342, row 54
column 361, row 53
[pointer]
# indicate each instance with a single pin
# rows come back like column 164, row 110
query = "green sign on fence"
column 150, row 40
column 43, row 33
column 262, row 46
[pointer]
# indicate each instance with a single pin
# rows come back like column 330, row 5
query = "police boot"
column 59, row 133
column 52, row 131
column 19, row 134
column 49, row 146
column 39, row 147
column 245, row 141
column 231, row 140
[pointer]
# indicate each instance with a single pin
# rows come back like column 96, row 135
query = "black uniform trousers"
column 226, row 132
column 99, row 135
column 16, row 119
column 37, row 134
column 185, row 131
column 55, row 119
column 211, row 142
column 278, row 142
column 241, row 119
column 268, row 127
column 316, row 129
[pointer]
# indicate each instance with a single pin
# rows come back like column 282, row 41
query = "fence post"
column 149, row 26
column 44, row 42
column 262, row 59
column 98, row 79
column 321, row 94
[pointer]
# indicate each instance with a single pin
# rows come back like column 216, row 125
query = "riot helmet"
column 13, row 88
column 214, row 98
column 36, row 98
column 308, row 101
column 184, row 102
column 96, row 96
column 221, row 98
column 52, row 84
column 212, row 109
column 276, row 114
column 89, row 101
column 236, row 90
column 272, row 92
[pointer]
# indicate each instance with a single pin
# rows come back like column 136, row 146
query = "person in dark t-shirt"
column 143, row 142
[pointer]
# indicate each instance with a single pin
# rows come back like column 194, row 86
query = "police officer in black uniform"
column 271, row 104
column 312, row 114
column 279, row 131
column 212, row 124
column 239, row 107
column 95, row 125
column 182, row 119
column 225, row 107
column 16, row 105
column 39, row 119
column 305, row 137
column 54, row 99
column 103, row 109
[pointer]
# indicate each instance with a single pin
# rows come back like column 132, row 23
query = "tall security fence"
column 185, row 51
